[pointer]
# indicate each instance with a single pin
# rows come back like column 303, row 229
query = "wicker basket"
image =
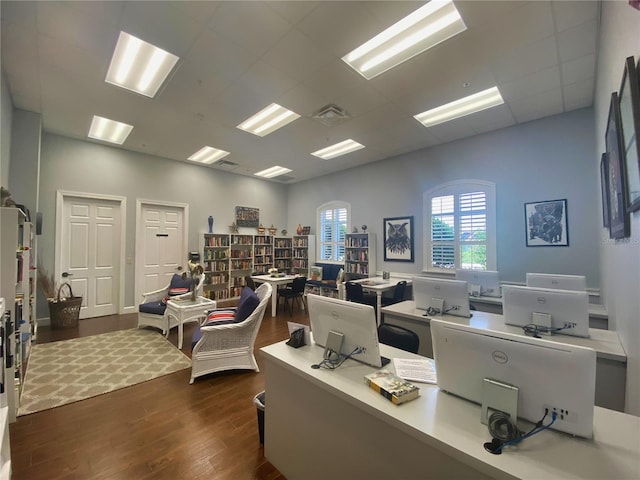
column 64, row 313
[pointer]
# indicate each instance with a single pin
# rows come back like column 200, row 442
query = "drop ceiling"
column 237, row 57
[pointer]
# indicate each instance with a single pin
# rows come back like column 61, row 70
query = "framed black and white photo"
column 398, row 239
column 546, row 223
column 629, row 104
column 604, row 185
column 618, row 214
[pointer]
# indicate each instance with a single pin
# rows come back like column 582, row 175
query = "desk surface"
column 452, row 425
column 379, row 283
column 605, row 342
column 595, row 310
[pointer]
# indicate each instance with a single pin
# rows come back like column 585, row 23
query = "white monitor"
column 483, row 283
column 441, row 297
column 547, row 307
column 547, row 374
column 355, row 321
column 562, row 282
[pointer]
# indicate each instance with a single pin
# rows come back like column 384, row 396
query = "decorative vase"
column 210, row 220
column 272, row 229
column 299, row 229
column 261, row 230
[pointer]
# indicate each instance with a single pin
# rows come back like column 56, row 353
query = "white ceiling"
column 236, row 57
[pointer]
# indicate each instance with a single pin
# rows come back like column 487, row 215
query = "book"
column 392, row 387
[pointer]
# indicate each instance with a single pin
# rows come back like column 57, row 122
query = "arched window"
column 460, row 226
column 333, row 223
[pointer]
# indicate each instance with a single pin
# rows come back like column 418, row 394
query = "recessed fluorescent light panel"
column 428, row 26
column 338, row 149
column 273, row 172
column 139, row 66
column 208, row 155
column 268, row 120
column 109, row 130
column 459, row 108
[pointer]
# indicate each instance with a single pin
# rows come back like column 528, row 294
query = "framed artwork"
column 604, row 185
column 629, row 105
column 247, row 217
column 398, row 239
column 546, row 223
column 618, row 215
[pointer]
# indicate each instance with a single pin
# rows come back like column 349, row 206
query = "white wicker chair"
column 159, row 321
column 230, row 346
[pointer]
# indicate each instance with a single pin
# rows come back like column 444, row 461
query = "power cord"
column 435, row 311
column 534, row 330
column 504, row 436
column 333, row 359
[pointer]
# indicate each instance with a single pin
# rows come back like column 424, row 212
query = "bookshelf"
column 359, row 255
column 282, row 252
column 262, row 253
column 240, row 262
column 215, row 261
column 16, row 283
column 303, row 254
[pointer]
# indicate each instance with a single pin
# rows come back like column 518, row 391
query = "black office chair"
column 355, row 293
column 293, row 292
column 399, row 337
column 398, row 294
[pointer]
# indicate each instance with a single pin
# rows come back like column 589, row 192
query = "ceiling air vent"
column 284, row 178
column 331, row 115
column 225, row 164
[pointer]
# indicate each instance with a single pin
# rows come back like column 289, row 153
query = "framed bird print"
column 398, row 239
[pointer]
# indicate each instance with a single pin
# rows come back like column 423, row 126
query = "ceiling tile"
column 570, row 14
column 579, row 94
column 526, row 60
column 537, row 106
column 578, row 41
column 575, row 70
column 533, row 84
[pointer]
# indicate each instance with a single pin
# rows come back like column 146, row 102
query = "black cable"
column 503, row 436
column 333, row 359
column 534, row 330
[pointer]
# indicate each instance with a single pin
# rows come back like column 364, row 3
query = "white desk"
column 598, row 317
column 184, row 311
column 379, row 285
column 611, row 366
column 274, row 281
column 323, row 424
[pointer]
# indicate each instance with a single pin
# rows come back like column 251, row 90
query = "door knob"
column 67, row 274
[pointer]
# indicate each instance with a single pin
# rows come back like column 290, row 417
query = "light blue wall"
column 6, row 119
column 79, row 166
column 620, row 260
column 546, row 159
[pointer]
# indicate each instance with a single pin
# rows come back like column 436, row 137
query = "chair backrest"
column 399, row 337
column 249, row 282
column 298, row 284
column 398, row 293
column 354, row 292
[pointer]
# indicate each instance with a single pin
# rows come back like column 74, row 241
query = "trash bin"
column 259, row 402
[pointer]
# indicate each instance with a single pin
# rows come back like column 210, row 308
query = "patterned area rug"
column 63, row 372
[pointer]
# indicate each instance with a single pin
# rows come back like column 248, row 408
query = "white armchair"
column 229, row 346
column 152, row 308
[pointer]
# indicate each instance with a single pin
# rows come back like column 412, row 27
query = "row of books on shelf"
column 215, row 255
column 356, row 268
column 358, row 256
column 357, row 242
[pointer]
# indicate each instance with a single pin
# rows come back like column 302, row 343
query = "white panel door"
column 90, row 253
column 163, row 249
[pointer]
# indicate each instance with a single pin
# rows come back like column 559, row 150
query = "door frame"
column 138, row 267
column 61, row 195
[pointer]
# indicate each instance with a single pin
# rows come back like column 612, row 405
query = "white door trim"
column 60, row 197
column 140, row 202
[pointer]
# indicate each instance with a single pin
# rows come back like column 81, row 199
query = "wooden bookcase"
column 240, row 262
column 262, row 253
column 282, row 252
column 359, row 255
column 303, row 254
column 215, row 261
column 17, row 282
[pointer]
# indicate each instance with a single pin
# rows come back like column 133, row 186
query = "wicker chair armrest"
column 156, row 295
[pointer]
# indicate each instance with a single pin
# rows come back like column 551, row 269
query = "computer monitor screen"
column 441, row 297
column 562, row 282
column 548, row 375
column 548, row 308
column 484, row 283
column 355, row 321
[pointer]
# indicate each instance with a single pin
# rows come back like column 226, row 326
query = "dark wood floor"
column 160, row 429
